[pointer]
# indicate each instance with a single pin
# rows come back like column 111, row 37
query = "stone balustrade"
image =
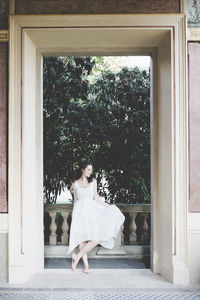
column 134, row 231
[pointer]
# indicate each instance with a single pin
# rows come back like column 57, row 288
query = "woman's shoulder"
column 94, row 180
column 73, row 182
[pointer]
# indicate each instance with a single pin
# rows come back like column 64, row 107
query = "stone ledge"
column 115, row 251
column 136, row 251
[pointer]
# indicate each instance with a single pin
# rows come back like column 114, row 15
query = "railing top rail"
column 123, row 206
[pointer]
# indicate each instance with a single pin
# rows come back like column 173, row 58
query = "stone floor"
column 110, row 278
column 99, row 295
column 99, row 284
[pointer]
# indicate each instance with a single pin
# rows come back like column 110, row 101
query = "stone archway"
column 162, row 37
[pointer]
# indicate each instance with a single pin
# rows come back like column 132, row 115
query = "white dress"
column 92, row 220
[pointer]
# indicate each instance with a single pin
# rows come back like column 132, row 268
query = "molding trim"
column 183, row 6
column 3, row 36
column 11, row 6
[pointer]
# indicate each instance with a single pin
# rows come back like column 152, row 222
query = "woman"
column 93, row 222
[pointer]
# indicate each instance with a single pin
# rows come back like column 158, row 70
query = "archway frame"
column 163, row 37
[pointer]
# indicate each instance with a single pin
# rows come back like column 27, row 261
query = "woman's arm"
column 96, row 196
column 74, row 193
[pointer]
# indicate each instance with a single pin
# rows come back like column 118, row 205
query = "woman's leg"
column 84, row 257
column 88, row 247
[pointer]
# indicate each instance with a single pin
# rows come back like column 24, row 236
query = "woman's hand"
column 96, row 196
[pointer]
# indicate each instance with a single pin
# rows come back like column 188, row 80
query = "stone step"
column 94, row 263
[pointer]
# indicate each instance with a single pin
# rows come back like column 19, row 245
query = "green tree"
column 106, row 120
column 65, row 87
column 124, row 124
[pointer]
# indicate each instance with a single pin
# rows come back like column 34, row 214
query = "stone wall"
column 4, row 257
column 194, row 126
column 4, row 14
column 96, row 6
column 3, row 126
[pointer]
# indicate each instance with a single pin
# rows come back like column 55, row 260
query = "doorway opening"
column 98, row 108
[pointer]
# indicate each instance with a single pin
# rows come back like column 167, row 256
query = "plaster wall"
column 194, row 159
column 194, row 246
column 32, row 248
column 194, row 125
column 3, row 163
column 3, row 126
column 4, row 257
column 4, row 247
column 165, row 156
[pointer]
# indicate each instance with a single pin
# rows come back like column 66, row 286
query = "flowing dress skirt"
column 92, row 220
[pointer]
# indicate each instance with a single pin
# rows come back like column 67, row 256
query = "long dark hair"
column 78, row 172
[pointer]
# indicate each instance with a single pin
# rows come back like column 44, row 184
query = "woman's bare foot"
column 86, row 269
column 86, row 265
column 74, row 261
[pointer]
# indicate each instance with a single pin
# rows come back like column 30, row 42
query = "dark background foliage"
column 107, row 121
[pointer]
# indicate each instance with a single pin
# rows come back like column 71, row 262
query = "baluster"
column 53, row 228
column 65, row 228
column 122, row 234
column 145, row 227
column 132, row 227
column 44, row 232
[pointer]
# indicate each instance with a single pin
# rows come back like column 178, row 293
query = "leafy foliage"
column 106, row 120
